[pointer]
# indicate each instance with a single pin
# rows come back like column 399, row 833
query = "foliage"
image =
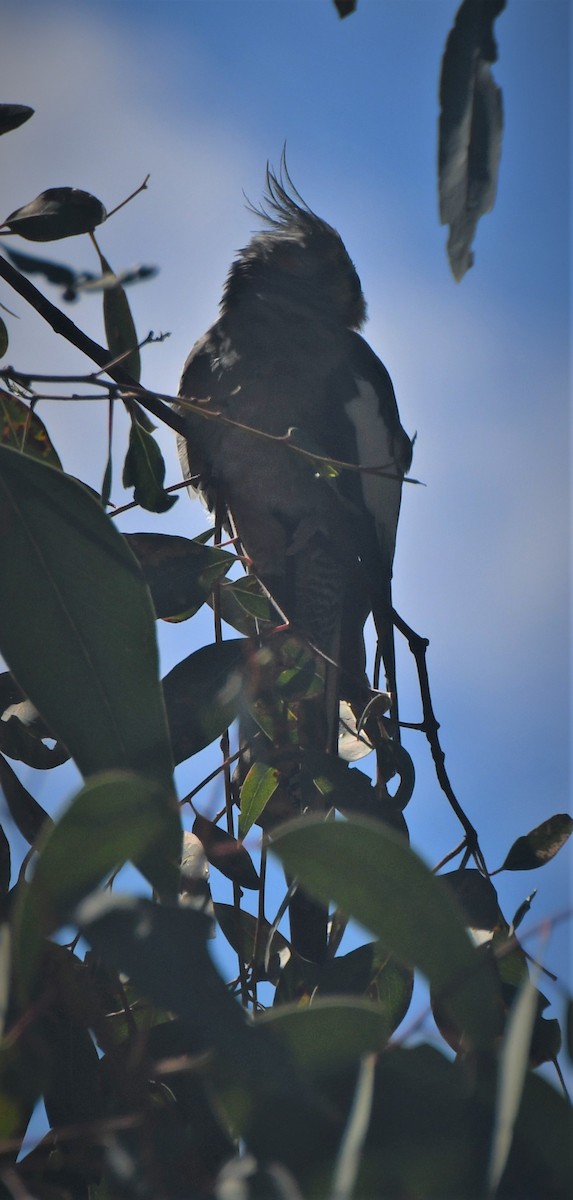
column 152, row 1069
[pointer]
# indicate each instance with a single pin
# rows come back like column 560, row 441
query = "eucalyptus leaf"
column 374, row 877
column 59, row 212
column 77, row 627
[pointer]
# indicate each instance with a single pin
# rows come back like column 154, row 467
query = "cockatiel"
column 285, row 358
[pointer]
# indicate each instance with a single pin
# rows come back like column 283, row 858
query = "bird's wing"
column 368, row 433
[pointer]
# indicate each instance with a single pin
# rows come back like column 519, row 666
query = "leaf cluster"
column 159, row 1078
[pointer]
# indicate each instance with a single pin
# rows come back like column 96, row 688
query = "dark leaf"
column 343, row 787
column 115, row 279
column 374, row 877
column 569, row 1028
column 226, row 853
column 120, row 330
column 28, row 816
column 476, row 896
column 259, row 785
column 76, row 623
column 545, row 1040
column 57, row 213
column 3, row 338
column 144, row 471
column 164, row 952
column 116, row 817
column 21, row 428
column 540, row 845
column 523, row 909
column 74, row 1091
column 22, row 729
column 56, row 273
column 470, row 132
column 345, row 7
column 14, row 115
column 370, row 972
column 329, row 1033
column 5, row 869
column 203, row 695
column 107, row 480
column 249, row 938
column 179, row 573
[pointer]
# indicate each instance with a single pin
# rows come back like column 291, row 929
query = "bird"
column 293, row 436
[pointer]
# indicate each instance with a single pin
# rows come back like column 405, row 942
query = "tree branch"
column 62, row 325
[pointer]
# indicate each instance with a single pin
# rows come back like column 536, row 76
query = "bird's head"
column 298, row 263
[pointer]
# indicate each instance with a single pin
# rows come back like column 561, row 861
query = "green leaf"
column 164, row 952
column 374, row 877
column 28, row 816
column 14, row 115
column 144, row 471
column 117, row 816
column 57, row 213
column 120, row 331
column 179, row 573
column 540, row 845
column 203, row 695
column 369, row 971
column 249, row 936
column 244, row 606
column 22, row 429
column 3, row 338
column 226, row 853
column 329, row 1033
column 260, row 784
column 76, row 623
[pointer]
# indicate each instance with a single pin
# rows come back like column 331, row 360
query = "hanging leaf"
column 471, row 122
column 76, row 623
column 28, row 816
column 259, row 785
column 540, row 845
column 476, row 896
column 120, row 329
column 345, row 7
column 3, row 338
column 21, row 428
column 203, row 696
column 5, row 870
column 14, row 115
column 57, row 213
column 523, row 910
column 226, row 853
column 179, row 573
column 144, row 471
column 249, row 936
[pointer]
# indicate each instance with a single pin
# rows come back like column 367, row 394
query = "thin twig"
column 62, row 325
column 142, row 188
column 418, row 646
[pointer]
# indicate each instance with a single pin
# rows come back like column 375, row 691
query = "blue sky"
column 200, row 93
